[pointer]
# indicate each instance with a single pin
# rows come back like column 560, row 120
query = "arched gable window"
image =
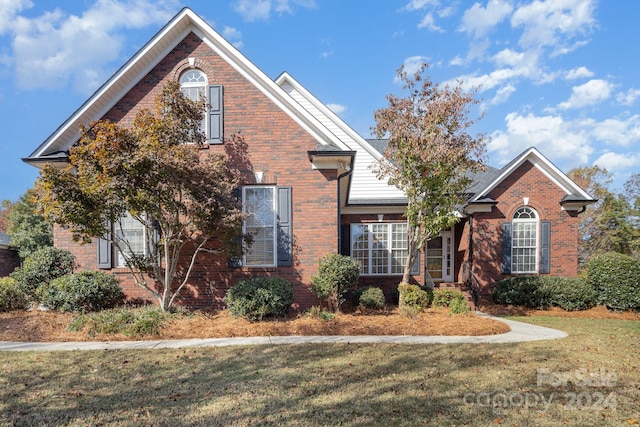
column 525, row 243
column 193, row 84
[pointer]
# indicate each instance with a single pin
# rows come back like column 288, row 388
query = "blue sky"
column 561, row 75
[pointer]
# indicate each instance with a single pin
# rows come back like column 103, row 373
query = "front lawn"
column 589, row 378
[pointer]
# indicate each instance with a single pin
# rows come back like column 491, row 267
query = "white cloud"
column 553, row 22
column 578, row 73
column 478, row 21
column 616, row 161
column 503, row 94
column 255, row 10
column 429, row 22
column 233, row 36
column 628, row 98
column 337, row 108
column 588, row 94
column 419, row 4
column 560, row 140
column 52, row 49
column 8, row 11
column 620, row 132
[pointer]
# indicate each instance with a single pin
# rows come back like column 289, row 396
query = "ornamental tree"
column 157, row 172
column 430, row 154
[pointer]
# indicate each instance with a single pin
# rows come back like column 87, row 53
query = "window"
column 269, row 223
column 131, row 233
column 381, row 248
column 193, row 84
column 524, row 248
column 526, row 243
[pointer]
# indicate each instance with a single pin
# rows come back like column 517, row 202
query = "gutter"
column 348, row 172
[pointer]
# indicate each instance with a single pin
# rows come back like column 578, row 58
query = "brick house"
column 310, row 173
column 9, row 258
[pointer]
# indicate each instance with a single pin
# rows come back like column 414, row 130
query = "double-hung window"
column 381, row 248
column 268, row 222
column 130, row 233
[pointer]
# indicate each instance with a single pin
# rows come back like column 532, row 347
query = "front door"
column 439, row 257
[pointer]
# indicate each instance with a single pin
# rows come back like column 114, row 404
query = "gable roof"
column 55, row 147
column 532, row 155
column 5, row 240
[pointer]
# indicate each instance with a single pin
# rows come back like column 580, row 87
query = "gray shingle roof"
column 4, row 239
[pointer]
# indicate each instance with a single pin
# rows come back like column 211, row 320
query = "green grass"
column 341, row 384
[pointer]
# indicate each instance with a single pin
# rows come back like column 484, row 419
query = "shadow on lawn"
column 292, row 385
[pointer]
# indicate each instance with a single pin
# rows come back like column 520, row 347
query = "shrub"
column 320, row 313
column 140, row 322
column 372, row 297
column 41, row 267
column 541, row 292
column 616, row 279
column 458, row 305
column 522, row 290
column 444, row 297
column 336, row 274
column 452, row 298
column 11, row 296
column 260, row 297
column 413, row 297
column 84, row 291
column 570, row 293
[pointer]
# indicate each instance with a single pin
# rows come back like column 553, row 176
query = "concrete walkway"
column 520, row 332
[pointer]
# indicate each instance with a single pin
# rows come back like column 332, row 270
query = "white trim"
column 515, row 221
column 541, row 163
column 275, row 223
column 389, row 248
column 138, row 66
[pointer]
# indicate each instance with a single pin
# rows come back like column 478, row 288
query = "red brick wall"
column 9, row 260
column 544, row 196
column 275, row 144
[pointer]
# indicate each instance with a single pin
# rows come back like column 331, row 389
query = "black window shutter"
column 285, row 253
column 506, row 248
column 345, row 239
column 236, row 261
column 545, row 244
column 215, row 114
column 104, row 254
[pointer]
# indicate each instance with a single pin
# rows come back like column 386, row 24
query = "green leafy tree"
column 430, row 154
column 608, row 224
column 156, row 172
column 28, row 229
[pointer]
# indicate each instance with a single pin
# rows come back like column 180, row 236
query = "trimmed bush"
column 522, row 290
column 85, row 291
column 616, row 279
column 542, row 292
column 11, row 296
column 41, row 267
column 336, row 274
column 372, row 297
column 413, row 297
column 570, row 293
column 260, row 297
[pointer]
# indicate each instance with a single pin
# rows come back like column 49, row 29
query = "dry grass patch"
column 330, row 384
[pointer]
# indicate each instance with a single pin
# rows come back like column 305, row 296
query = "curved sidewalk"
column 520, row 332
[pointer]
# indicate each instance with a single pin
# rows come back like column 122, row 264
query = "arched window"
column 525, row 241
column 193, row 84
